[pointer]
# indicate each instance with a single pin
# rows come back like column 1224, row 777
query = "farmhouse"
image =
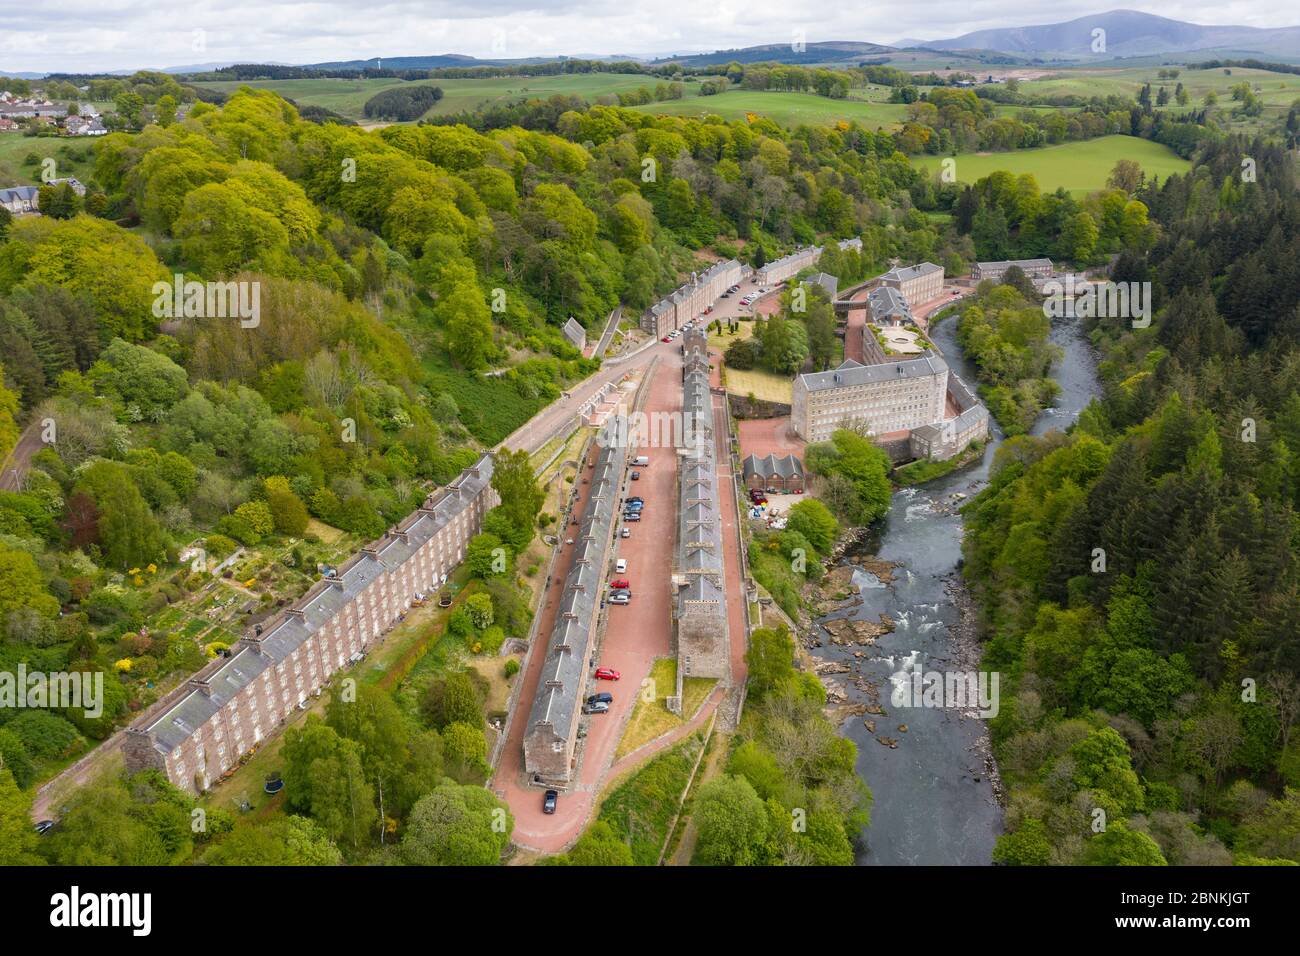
column 201, row 730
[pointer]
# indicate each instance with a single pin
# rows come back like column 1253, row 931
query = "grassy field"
column 652, row 719
column 765, row 386
column 788, row 109
column 347, row 97
column 1079, row 167
column 72, row 157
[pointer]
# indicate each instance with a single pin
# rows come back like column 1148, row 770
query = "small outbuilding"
column 783, row 473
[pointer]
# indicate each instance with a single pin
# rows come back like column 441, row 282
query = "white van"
column 640, row 461
column 620, row 566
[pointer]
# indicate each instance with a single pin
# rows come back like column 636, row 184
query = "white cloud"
column 93, row 35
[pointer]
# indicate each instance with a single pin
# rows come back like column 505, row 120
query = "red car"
column 665, row 339
column 607, row 673
column 620, row 584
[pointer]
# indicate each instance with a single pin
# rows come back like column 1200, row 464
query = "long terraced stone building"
column 703, row 648
column 199, row 732
column 551, row 736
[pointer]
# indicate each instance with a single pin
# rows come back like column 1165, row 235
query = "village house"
column 20, row 200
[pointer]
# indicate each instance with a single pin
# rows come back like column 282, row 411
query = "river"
column 934, row 795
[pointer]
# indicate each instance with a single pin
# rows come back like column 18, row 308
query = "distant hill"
column 832, row 51
column 441, row 60
column 1129, row 33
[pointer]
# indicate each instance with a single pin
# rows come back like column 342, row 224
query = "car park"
column 549, row 801
column 607, row 673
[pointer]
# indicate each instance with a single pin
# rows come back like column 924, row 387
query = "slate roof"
column 559, row 693
column 854, row 373
column 769, row 466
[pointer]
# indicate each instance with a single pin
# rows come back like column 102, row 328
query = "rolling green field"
column 347, row 97
column 1079, row 167
column 67, row 154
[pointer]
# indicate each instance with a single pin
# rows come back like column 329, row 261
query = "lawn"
column 788, row 109
column 652, row 719
column 765, row 386
column 1079, row 167
column 72, row 157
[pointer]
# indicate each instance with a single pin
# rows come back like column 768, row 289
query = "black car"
column 636, row 500
column 604, row 697
column 636, row 476
column 45, row 826
column 549, row 801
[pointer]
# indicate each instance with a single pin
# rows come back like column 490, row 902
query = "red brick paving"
column 769, row 436
column 635, row 635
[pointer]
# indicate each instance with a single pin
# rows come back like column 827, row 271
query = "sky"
column 104, row 35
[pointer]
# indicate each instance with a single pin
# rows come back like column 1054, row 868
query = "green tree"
column 815, row 522
column 457, row 826
column 732, row 823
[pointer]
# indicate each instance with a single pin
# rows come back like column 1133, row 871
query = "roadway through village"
column 633, row 635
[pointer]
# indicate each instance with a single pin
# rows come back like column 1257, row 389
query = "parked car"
column 620, row 565
column 667, row 338
column 631, row 516
column 635, row 500
column 620, row 597
column 634, row 507
column 549, row 800
column 708, row 309
column 620, row 584
column 607, row 673
column 636, row 476
column 600, row 707
column 625, row 532
column 640, row 461
column 603, row 697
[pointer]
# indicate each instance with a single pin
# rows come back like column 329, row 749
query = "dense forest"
column 1138, row 578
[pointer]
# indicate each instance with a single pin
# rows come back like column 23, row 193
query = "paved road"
column 635, row 635
column 14, row 468
column 611, row 325
column 554, row 418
